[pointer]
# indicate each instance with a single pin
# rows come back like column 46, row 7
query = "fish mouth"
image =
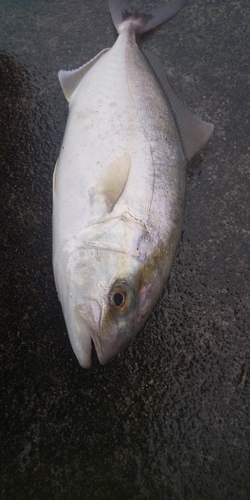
column 87, row 320
column 106, row 352
column 108, row 340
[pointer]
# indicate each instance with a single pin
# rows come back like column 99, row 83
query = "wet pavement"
column 169, row 418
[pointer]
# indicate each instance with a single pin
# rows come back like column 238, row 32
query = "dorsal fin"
column 111, row 184
column 71, row 79
column 194, row 132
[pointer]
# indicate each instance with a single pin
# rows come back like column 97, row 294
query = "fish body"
column 119, row 188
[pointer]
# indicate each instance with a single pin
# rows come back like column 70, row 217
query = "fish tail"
column 121, row 12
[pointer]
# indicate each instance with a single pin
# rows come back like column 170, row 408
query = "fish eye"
column 121, row 297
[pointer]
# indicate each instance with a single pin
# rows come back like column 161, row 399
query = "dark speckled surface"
column 169, row 418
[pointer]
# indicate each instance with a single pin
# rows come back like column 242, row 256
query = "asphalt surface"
column 169, row 418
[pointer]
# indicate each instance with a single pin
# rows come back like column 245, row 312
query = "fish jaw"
column 79, row 336
column 109, row 338
column 116, row 331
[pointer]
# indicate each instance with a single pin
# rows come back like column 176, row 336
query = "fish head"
column 103, row 301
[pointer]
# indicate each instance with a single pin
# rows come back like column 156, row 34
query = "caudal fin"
column 121, row 11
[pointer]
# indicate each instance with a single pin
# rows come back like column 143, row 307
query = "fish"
column 119, row 187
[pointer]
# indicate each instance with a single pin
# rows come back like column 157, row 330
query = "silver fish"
column 119, row 187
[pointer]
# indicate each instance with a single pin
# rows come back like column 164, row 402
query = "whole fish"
column 119, row 187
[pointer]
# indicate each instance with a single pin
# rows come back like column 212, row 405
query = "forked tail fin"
column 121, row 11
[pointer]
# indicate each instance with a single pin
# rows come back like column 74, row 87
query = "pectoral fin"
column 111, row 183
column 194, row 132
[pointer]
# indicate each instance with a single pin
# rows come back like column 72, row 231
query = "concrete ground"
column 169, row 418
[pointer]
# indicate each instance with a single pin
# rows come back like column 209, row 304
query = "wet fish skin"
column 119, row 188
